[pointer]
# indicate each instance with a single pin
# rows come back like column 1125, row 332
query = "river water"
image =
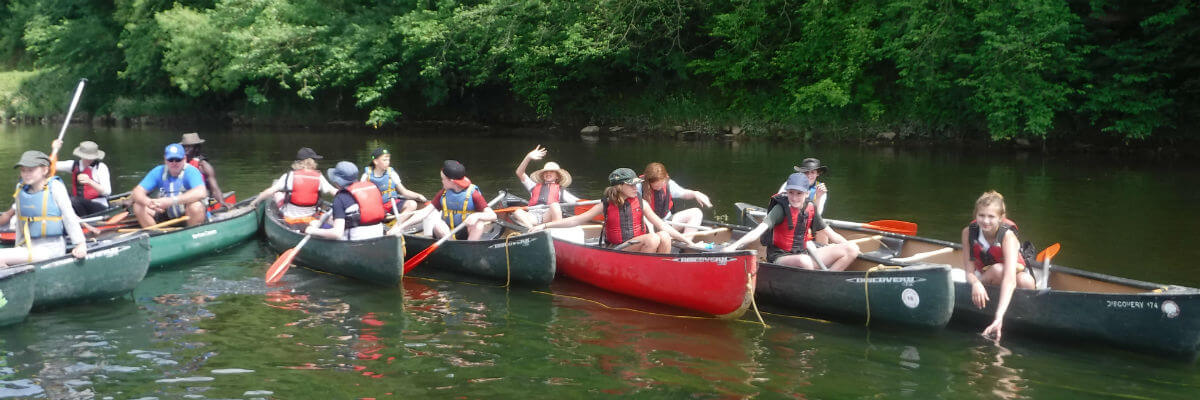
column 209, row 328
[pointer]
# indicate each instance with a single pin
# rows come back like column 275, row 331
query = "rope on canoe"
column 507, row 260
column 867, row 286
column 753, row 304
column 636, row 310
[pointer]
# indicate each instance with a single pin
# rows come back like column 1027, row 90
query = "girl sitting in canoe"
column 663, row 192
column 992, row 256
column 90, row 184
column 298, row 191
column 44, row 212
column 790, row 224
column 385, row 178
column 357, row 208
column 817, row 193
column 624, row 218
column 546, row 186
column 459, row 203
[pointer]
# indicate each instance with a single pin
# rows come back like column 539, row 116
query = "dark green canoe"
column 111, row 268
column 225, row 229
column 17, row 288
column 379, row 260
column 525, row 259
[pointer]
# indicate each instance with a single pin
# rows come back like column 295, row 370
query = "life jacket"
column 169, row 186
column 545, row 193
column 386, row 187
column 38, row 213
column 195, row 162
column 89, row 192
column 788, row 235
column 303, row 187
column 995, row 253
column 370, row 204
column 624, row 221
column 660, row 200
column 452, row 212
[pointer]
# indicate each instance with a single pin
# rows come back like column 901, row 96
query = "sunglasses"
column 174, row 160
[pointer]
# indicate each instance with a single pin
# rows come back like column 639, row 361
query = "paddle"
column 577, row 204
column 812, row 253
column 67, row 121
column 281, row 264
column 1044, row 257
column 119, row 216
column 883, row 225
column 156, row 226
column 412, row 262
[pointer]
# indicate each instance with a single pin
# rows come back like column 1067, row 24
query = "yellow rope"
column 507, row 261
column 797, row 317
column 634, row 309
column 867, row 286
column 753, row 303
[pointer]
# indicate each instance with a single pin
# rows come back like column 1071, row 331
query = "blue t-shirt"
column 154, row 179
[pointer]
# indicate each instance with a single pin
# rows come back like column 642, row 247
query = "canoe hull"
column 526, row 259
column 378, row 261
column 919, row 296
column 1166, row 323
column 110, row 270
column 228, row 229
column 720, row 284
column 18, row 286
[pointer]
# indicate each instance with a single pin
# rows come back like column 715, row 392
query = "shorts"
column 775, row 253
column 538, row 215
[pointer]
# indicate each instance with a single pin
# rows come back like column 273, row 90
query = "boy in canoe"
column 790, row 224
column 459, row 203
column 546, row 186
column 298, row 191
column 180, row 187
column 357, row 209
column 385, row 178
column 992, row 256
column 44, row 212
column 195, row 157
column 625, row 218
column 663, row 192
column 90, row 184
column 817, row 193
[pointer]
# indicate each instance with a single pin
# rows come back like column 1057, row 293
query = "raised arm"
column 536, row 154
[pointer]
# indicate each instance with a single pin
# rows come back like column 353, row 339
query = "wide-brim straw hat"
column 88, row 150
column 564, row 177
column 191, row 139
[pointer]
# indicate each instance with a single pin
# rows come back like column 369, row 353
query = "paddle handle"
column 461, row 226
column 812, row 253
column 158, row 225
column 66, row 122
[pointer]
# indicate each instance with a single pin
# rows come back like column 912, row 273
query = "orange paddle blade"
column 8, row 236
column 280, row 266
column 585, row 208
column 412, row 262
column 1049, row 252
column 121, row 215
column 894, row 226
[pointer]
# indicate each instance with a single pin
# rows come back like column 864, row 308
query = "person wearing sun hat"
column 192, row 144
column 458, row 203
column 381, row 173
column 790, row 224
column 90, row 182
column 817, row 192
column 357, row 208
column 625, row 215
column 180, row 191
column 298, row 191
column 546, row 186
column 44, row 213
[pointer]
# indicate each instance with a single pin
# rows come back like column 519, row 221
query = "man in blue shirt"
column 180, row 189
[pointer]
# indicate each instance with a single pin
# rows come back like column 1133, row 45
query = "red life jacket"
column 622, row 222
column 305, row 187
column 89, row 192
column 541, row 194
column 995, row 253
column 789, row 235
column 195, row 162
column 370, row 202
column 660, row 200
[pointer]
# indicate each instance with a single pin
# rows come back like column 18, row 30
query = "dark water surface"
column 211, row 329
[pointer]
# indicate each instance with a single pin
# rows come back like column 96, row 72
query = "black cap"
column 306, row 153
column 456, row 172
column 379, row 151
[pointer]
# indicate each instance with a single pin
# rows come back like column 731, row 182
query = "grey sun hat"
column 810, row 164
column 33, row 158
column 797, row 181
column 88, row 150
column 191, row 138
column 343, row 174
column 623, row 176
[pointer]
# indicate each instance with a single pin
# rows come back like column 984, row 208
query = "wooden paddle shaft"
column 812, row 253
column 158, row 225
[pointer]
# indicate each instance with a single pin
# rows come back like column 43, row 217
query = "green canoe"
column 16, row 293
column 379, row 260
column 112, row 268
column 225, row 229
column 526, row 259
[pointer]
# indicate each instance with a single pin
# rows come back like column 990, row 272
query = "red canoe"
column 721, row 284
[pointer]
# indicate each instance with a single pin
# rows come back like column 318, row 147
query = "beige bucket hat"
column 88, row 150
column 564, row 177
column 191, row 139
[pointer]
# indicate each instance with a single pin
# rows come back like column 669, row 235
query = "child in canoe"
column 44, row 213
column 546, row 186
column 458, row 203
column 790, row 224
column 992, row 256
column 625, row 218
column 357, row 208
column 385, row 178
column 298, row 191
column 662, row 193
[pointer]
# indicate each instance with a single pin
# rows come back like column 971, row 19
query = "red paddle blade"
column 276, row 271
column 894, row 226
column 1049, row 252
column 585, row 208
column 412, row 262
column 8, row 236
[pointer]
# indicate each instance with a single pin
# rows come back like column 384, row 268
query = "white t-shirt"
column 565, row 197
column 99, row 174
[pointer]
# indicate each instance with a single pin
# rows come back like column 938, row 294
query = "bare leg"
column 691, row 216
column 1025, row 280
column 524, row 218
column 647, row 243
column 664, row 242
column 196, row 213
column 476, row 230
column 994, row 274
column 796, row 260
column 144, row 215
column 554, row 213
column 839, row 256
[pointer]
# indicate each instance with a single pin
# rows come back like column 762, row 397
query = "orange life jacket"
column 370, row 202
column 305, row 187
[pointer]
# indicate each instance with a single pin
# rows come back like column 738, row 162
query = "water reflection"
column 989, row 373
